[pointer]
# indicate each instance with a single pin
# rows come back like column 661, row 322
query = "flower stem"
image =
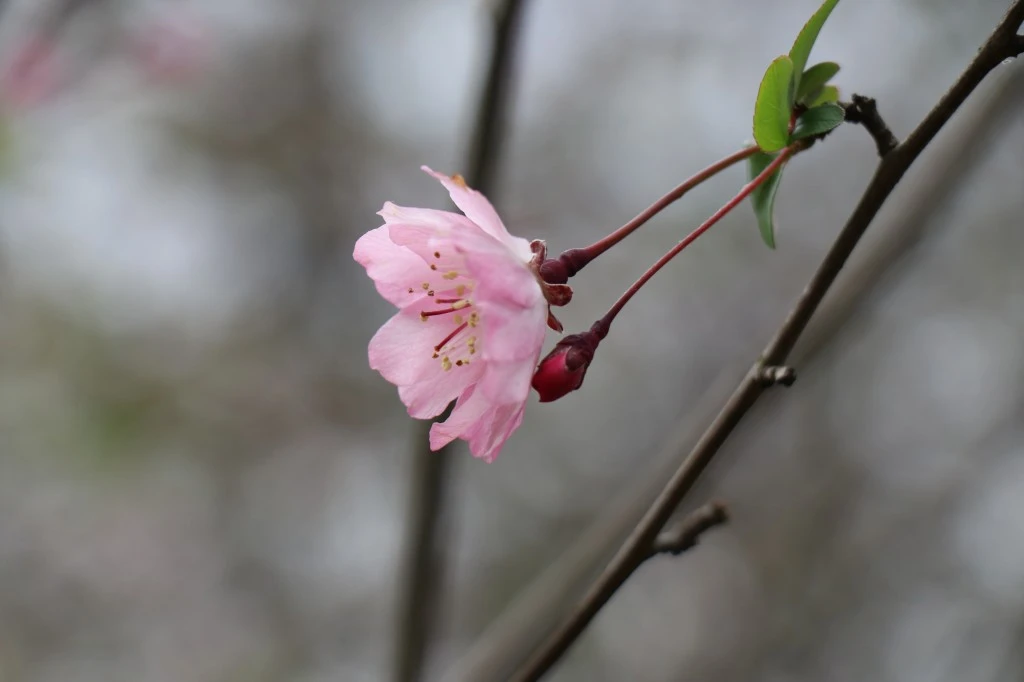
column 602, row 326
column 559, row 270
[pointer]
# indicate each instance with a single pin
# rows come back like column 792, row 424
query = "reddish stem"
column 559, row 270
column 602, row 326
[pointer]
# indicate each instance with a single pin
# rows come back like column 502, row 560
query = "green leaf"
column 818, row 120
column 763, row 197
column 827, row 95
column 774, row 106
column 814, row 79
column 804, row 42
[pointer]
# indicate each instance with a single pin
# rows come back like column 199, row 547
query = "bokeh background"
column 201, row 479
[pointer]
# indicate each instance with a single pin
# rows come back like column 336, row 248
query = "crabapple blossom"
column 471, row 320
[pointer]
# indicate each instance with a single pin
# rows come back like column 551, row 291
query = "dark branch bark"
column 421, row 578
column 1000, row 45
column 687, row 533
column 864, row 110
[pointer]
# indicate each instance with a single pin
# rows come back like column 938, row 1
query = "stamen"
column 451, row 274
column 443, row 311
column 437, row 254
column 451, row 336
column 446, row 363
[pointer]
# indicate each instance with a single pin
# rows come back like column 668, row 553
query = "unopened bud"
column 564, row 368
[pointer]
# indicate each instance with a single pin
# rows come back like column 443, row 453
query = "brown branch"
column 509, row 638
column 421, row 576
column 1000, row 45
column 686, row 534
column 864, row 110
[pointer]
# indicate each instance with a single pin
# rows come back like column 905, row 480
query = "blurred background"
column 202, row 480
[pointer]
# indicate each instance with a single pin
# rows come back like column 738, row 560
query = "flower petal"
column 508, row 382
column 428, row 398
column 478, row 209
column 479, row 421
column 402, row 351
column 500, row 274
column 34, row 73
column 394, row 269
column 393, row 214
column 512, row 333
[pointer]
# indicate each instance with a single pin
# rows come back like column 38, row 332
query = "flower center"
column 454, row 317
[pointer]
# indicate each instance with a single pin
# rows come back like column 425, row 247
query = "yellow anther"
column 446, row 363
column 425, row 285
column 451, row 274
column 459, row 305
column 474, row 319
column 457, row 319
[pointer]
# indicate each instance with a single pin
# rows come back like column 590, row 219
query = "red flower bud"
column 564, row 368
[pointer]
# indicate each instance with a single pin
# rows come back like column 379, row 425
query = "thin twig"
column 421, row 576
column 928, row 198
column 864, row 110
column 519, row 626
column 686, row 534
column 891, row 169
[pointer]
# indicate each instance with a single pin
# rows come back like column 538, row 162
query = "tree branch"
column 423, row 562
column 687, row 532
column 864, row 110
column 1000, row 45
column 509, row 638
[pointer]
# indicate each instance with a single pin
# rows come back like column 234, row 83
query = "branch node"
column 864, row 110
column 687, row 532
column 776, row 375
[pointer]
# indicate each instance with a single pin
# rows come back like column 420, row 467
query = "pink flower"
column 33, row 75
column 171, row 47
column 471, row 320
